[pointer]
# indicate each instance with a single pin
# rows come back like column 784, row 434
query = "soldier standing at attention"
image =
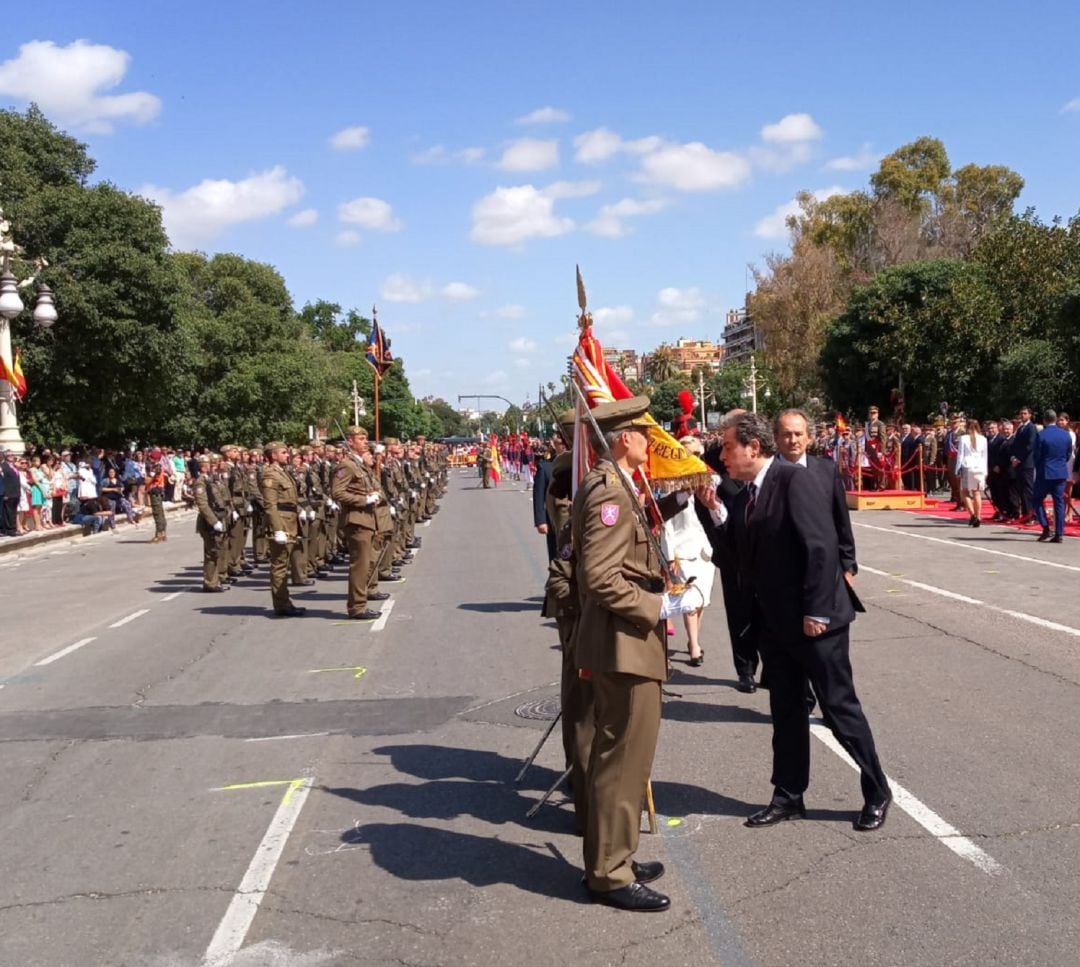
column 212, row 507
column 158, row 477
column 281, row 505
column 620, row 644
column 260, row 548
column 354, row 491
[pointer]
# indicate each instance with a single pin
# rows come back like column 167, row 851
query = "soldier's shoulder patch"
column 609, row 514
column 200, row 489
column 340, row 473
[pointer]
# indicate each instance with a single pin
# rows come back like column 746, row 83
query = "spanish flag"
column 13, row 373
column 494, row 467
column 671, row 466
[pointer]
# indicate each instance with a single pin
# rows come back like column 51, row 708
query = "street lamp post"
column 11, row 305
column 753, row 383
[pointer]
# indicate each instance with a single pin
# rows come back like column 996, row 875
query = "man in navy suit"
column 1052, row 450
column 9, row 494
column 1022, row 458
column 784, row 538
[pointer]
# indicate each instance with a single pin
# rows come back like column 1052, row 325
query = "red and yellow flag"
column 13, row 373
column 671, row 466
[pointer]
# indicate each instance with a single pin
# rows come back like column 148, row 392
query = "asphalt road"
column 197, row 782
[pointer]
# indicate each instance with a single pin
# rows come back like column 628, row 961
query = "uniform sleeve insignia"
column 609, row 513
column 340, row 473
column 564, row 554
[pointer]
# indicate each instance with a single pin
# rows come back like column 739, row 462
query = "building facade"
column 741, row 337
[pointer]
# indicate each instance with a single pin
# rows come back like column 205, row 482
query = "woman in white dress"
column 971, row 464
column 684, row 540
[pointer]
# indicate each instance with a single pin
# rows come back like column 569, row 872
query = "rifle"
column 555, row 419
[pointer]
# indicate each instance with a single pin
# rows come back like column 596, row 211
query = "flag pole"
column 377, row 437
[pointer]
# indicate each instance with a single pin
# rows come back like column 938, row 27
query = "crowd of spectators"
column 45, row 488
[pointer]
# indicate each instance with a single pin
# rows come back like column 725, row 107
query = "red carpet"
column 943, row 508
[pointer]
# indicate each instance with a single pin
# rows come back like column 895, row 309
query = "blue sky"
column 452, row 162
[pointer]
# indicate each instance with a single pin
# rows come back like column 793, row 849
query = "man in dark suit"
column 744, row 651
column 1053, row 448
column 9, row 495
column 994, row 441
column 1022, row 460
column 785, row 540
column 910, row 441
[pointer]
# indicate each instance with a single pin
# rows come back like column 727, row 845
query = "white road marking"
column 57, row 655
column 380, row 622
column 230, row 934
column 937, row 827
column 969, row 547
column 275, row 738
column 427, row 523
column 1020, row 615
column 130, row 617
column 169, row 597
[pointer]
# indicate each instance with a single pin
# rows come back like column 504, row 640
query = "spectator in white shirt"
column 971, row 460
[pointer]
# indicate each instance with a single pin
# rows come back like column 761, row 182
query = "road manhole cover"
column 545, row 708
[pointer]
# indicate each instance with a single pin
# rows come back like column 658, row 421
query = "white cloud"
column 544, row 115
column 572, row 189
column 522, row 363
column 510, row 216
column 609, row 322
column 403, row 288
column 601, row 144
column 371, row 213
column 775, row 225
column 67, row 84
column 792, row 129
column 459, row 292
column 676, row 307
column 609, row 223
column 1073, row 105
column 303, row 219
column 522, row 345
column 347, row 238
column 209, row 208
column 695, row 167
column 864, row 160
column 350, row 139
column 530, row 154
column 440, row 155
column 509, row 312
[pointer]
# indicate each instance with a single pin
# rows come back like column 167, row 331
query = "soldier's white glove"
column 236, row 515
column 280, row 537
column 372, row 499
column 414, row 496
column 393, row 513
column 311, row 515
column 250, row 509
column 218, row 526
column 673, row 604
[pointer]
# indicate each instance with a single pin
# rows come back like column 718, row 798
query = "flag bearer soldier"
column 213, row 506
column 355, row 492
column 620, row 642
column 281, row 503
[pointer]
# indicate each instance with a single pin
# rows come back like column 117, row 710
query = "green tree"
column 935, row 323
column 660, row 365
column 913, row 174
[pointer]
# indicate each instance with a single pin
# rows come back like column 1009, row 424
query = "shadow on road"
column 497, row 607
column 412, row 852
column 680, row 711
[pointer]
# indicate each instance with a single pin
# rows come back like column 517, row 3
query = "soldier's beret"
column 623, row 414
column 391, row 441
column 204, row 458
column 356, row 431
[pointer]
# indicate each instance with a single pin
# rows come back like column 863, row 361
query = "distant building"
column 741, row 337
column 625, row 362
column 689, row 354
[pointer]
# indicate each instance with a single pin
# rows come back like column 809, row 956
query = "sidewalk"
column 76, row 532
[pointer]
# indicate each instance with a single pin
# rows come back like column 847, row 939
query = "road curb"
column 72, row 532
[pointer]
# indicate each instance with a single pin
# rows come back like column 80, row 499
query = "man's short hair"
column 1049, row 416
column 752, row 426
column 791, row 411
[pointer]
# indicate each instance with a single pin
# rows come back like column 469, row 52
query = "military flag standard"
column 378, row 350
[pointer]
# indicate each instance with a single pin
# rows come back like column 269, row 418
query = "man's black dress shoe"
column 1056, row 539
column 635, row 897
column 290, row 612
column 394, row 578
column 872, row 817
column 415, row 542
column 1045, row 535
column 776, row 813
column 367, row 615
column 378, row 596
column 647, row 872
column 746, row 684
